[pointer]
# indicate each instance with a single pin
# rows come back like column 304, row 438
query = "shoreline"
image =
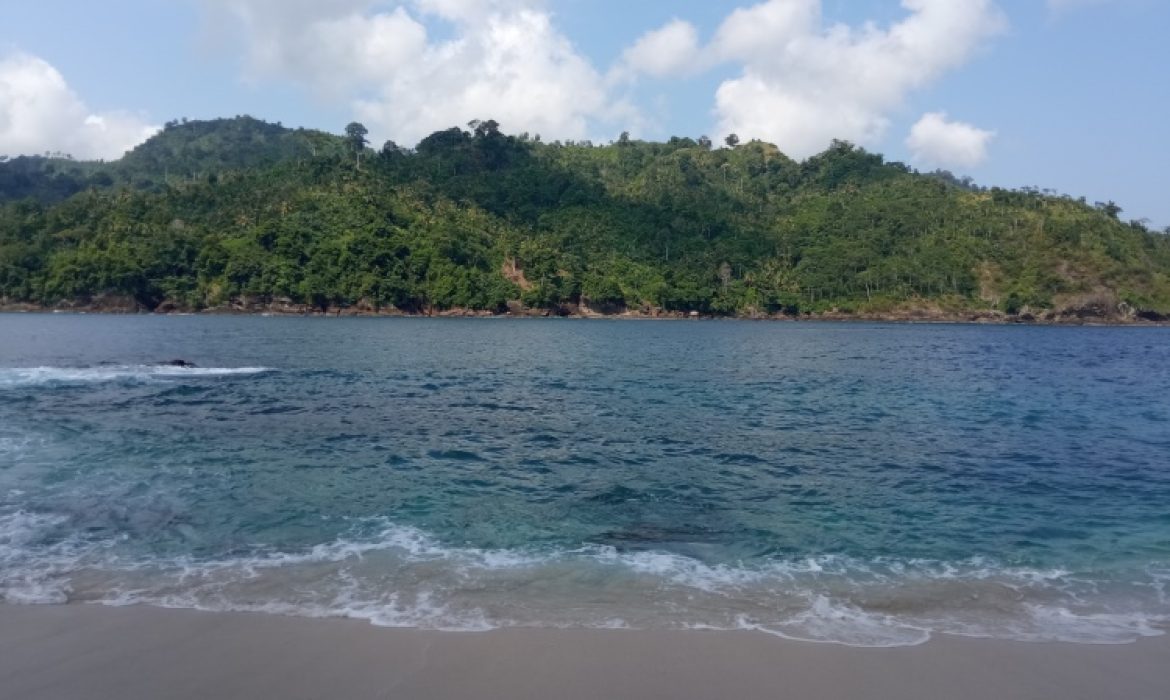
column 91, row 651
column 972, row 318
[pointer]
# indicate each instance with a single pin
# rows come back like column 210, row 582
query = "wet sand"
column 83, row 652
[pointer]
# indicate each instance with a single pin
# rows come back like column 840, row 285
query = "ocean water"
column 860, row 484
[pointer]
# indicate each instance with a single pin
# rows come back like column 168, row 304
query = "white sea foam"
column 828, row 621
column 32, row 582
column 12, row 448
column 404, row 577
column 33, row 376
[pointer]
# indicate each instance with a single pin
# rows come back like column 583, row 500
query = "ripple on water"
column 736, row 476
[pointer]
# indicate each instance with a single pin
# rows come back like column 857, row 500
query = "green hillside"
column 247, row 214
column 183, row 150
column 194, row 149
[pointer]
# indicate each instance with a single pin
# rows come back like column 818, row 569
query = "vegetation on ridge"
column 207, row 214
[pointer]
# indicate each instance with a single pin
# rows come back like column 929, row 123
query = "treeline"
column 207, row 214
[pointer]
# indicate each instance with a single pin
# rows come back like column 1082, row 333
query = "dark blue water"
column 863, row 484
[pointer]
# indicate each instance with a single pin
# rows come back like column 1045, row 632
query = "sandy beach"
column 82, row 651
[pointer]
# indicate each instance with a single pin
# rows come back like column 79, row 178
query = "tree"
column 1111, row 209
column 355, row 136
column 485, row 129
column 473, row 218
column 732, row 140
column 391, row 150
column 705, row 143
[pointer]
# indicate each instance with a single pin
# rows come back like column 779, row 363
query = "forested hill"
column 180, row 152
column 243, row 214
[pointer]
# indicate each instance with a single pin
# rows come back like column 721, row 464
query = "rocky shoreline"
column 1092, row 315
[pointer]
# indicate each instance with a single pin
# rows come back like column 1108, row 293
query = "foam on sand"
column 402, row 577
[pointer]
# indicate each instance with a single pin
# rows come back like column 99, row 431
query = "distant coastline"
column 243, row 216
column 907, row 315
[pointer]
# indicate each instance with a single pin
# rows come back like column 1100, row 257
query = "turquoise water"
column 860, row 484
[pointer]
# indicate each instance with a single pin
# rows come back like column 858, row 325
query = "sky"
column 1067, row 95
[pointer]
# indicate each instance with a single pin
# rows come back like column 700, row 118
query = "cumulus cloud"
column 801, row 81
column 514, row 68
column 763, row 33
column 334, row 46
column 505, row 61
column 39, row 112
column 471, row 10
column 670, row 50
column 936, row 141
column 804, row 83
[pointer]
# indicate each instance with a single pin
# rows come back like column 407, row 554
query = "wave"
column 34, row 376
column 403, row 577
column 30, row 574
column 11, row 446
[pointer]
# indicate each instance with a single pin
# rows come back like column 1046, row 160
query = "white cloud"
column 505, row 61
column 937, row 142
column 670, row 50
column 514, row 68
column 39, row 112
column 803, row 83
column 333, row 46
column 472, row 10
column 763, row 33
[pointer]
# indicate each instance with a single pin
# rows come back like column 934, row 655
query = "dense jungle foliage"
column 210, row 213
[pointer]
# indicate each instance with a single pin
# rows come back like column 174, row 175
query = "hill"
column 198, row 149
column 181, row 151
column 247, row 215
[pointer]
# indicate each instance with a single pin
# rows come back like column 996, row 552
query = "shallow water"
column 861, row 484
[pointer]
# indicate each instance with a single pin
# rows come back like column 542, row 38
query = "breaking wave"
column 403, row 577
column 33, row 376
column 866, row 488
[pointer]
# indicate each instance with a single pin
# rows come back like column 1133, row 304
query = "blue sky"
column 1064, row 94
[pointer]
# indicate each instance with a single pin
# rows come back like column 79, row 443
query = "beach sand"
column 83, row 651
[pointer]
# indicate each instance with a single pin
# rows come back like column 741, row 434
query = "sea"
column 850, row 483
